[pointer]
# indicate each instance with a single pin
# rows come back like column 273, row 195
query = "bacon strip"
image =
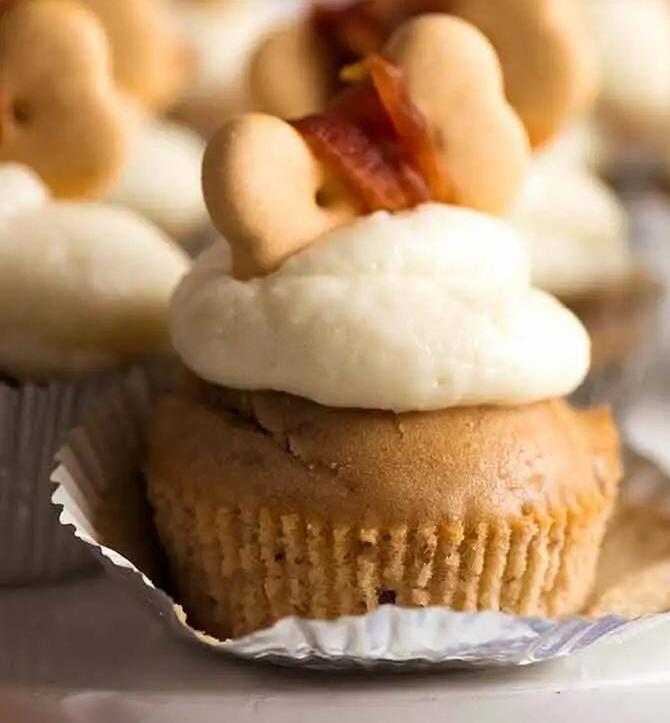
column 361, row 28
column 415, row 141
column 350, row 32
column 379, row 143
column 356, row 159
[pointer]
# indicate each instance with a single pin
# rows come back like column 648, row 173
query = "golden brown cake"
column 270, row 505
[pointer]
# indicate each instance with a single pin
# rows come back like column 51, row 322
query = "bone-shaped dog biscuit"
column 150, row 62
column 548, row 62
column 290, row 74
column 261, row 183
column 269, row 195
column 548, row 59
column 59, row 111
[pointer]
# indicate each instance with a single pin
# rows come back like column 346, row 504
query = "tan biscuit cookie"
column 59, row 111
column 270, row 196
column 150, row 63
column 547, row 58
column 290, row 75
column 262, row 184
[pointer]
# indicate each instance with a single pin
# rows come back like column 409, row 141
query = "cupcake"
column 373, row 410
column 152, row 68
column 221, row 35
column 547, row 59
column 84, row 287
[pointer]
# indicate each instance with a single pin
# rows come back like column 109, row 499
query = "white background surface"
column 86, row 652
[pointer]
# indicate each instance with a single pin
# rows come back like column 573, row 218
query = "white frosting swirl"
column 575, row 227
column 20, row 190
column 583, row 144
column 82, row 285
column 421, row 310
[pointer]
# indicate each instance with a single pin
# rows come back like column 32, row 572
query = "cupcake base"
column 242, row 569
column 266, row 510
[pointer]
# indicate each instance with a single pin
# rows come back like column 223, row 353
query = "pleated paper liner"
column 239, row 568
column 34, row 423
column 100, row 489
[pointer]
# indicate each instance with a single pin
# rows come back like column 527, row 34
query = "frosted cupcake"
column 84, row 286
column 370, row 420
column 84, row 294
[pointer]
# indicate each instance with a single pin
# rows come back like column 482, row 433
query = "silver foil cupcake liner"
column 34, row 423
column 100, row 492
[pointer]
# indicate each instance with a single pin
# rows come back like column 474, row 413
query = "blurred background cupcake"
column 85, row 285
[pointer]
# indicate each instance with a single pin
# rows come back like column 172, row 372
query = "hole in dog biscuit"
column 21, row 112
column 322, row 198
column 329, row 196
